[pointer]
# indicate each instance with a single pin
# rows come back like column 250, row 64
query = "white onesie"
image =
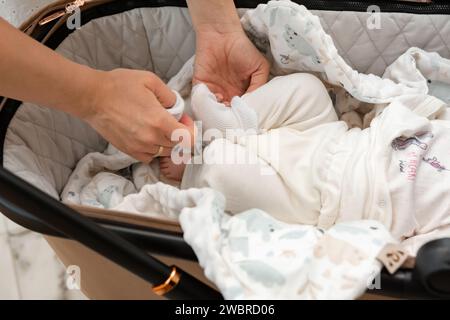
column 394, row 172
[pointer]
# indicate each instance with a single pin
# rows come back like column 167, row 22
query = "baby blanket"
column 294, row 40
column 251, row 255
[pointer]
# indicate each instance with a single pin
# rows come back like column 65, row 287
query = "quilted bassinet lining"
column 43, row 146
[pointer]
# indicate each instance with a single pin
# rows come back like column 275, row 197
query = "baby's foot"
column 171, row 170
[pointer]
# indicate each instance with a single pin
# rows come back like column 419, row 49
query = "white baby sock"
column 215, row 115
column 178, row 108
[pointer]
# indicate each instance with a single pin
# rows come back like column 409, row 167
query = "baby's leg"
column 168, row 168
column 299, row 101
column 171, row 170
column 245, row 180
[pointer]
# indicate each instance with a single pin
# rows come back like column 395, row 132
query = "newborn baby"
column 307, row 167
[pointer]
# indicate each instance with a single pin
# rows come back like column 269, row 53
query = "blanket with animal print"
column 294, row 40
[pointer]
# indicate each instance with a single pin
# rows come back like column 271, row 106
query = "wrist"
column 217, row 16
column 213, row 39
column 219, row 27
column 95, row 86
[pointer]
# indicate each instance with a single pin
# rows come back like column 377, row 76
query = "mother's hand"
column 229, row 64
column 125, row 106
column 128, row 111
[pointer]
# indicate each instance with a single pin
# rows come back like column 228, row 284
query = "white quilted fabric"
column 371, row 51
column 42, row 146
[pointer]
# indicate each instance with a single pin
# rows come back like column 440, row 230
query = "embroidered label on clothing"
column 435, row 163
column 409, row 166
column 402, row 143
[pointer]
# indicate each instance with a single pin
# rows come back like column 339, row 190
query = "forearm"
column 214, row 16
column 34, row 73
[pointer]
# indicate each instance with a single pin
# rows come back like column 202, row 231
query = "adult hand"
column 226, row 60
column 229, row 64
column 125, row 106
column 128, row 111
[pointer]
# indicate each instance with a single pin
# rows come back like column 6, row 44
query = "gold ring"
column 169, row 284
column 160, row 151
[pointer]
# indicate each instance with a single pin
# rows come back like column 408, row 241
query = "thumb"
column 162, row 92
column 259, row 78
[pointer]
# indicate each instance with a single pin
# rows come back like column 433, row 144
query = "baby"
column 397, row 171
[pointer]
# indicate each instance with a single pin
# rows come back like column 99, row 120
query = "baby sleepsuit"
column 324, row 173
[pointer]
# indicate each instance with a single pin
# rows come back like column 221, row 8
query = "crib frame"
column 132, row 246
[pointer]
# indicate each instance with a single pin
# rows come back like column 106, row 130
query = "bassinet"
column 41, row 147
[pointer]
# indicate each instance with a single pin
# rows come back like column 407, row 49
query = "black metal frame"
column 129, row 245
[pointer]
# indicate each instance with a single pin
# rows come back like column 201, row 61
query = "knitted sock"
column 178, row 108
column 215, row 115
